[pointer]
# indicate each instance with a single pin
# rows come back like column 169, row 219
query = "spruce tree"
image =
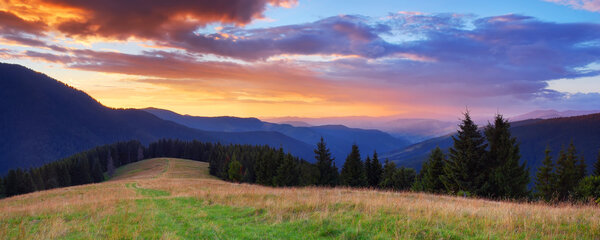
column 464, row 168
column 326, row 165
column 36, row 177
column 581, row 169
column 506, row 177
column 353, row 171
column 110, row 165
column 287, row 173
column 2, row 188
column 387, row 177
column 25, row 183
column 96, row 171
column 368, row 173
column 432, row 171
column 234, row 170
column 567, row 172
column 597, row 166
column 403, row 178
column 375, row 171
column 545, row 179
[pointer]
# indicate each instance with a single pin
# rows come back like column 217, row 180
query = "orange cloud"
column 150, row 19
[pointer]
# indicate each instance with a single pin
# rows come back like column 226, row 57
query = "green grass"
column 170, row 199
column 147, row 192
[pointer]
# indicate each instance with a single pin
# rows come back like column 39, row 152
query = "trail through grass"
column 177, row 199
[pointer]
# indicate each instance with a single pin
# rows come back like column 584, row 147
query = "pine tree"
column 432, row 171
column 36, row 177
column 234, row 170
column 506, row 177
column 581, row 169
column 287, row 173
column 387, row 177
column 367, row 165
column 353, row 171
column 403, row 178
column 110, row 165
column 25, row 183
column 96, row 171
column 327, row 170
column 2, row 188
column 567, row 172
column 374, row 171
column 64, row 176
column 597, row 166
column 545, row 180
column 464, row 169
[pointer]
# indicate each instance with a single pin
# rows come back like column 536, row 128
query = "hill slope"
column 176, row 199
column 43, row 120
column 339, row 138
column 533, row 136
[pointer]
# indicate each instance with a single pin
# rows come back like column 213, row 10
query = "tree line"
column 488, row 165
column 480, row 163
column 82, row 168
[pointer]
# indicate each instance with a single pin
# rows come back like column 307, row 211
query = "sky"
column 315, row 58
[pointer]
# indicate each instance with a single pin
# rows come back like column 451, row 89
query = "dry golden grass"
column 398, row 214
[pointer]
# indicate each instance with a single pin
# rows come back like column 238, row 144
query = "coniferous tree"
column 506, row 177
column 287, row 173
column 374, row 171
column 403, row 178
column 234, row 170
column 432, row 171
column 581, row 169
column 387, row 177
column 110, row 165
column 353, row 171
column 327, row 170
column 96, row 171
column 81, row 172
column 24, row 183
column 464, row 168
column 64, row 176
column 10, row 181
column 567, row 173
column 367, row 166
column 597, row 166
column 2, row 188
column 36, row 177
column 545, row 180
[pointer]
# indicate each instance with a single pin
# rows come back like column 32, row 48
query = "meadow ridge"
column 168, row 198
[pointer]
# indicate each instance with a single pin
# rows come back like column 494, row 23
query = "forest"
column 480, row 164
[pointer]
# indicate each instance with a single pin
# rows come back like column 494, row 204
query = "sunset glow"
column 275, row 58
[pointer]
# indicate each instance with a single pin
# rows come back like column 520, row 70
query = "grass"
column 177, row 199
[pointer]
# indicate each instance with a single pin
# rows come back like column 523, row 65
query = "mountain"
column 42, row 119
column 339, row 138
column 412, row 130
column 548, row 114
column 533, row 136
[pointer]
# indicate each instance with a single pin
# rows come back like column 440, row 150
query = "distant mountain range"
column 533, row 135
column 548, row 114
column 408, row 129
column 339, row 138
column 43, row 120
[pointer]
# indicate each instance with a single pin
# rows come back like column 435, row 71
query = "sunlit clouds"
column 201, row 58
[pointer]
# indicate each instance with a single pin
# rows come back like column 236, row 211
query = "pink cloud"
column 589, row 5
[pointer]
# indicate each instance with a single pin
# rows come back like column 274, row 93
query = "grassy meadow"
column 177, row 199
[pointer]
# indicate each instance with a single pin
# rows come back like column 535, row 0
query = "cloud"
column 149, row 19
column 403, row 61
column 342, row 35
column 588, row 5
